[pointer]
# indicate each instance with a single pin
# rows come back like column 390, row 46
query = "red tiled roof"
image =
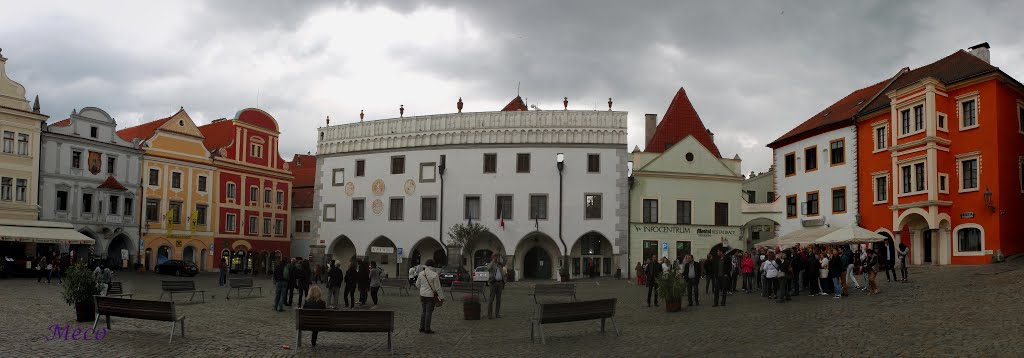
column 837, row 113
column 954, row 68
column 112, row 183
column 62, row 123
column 144, row 131
column 680, row 120
column 257, row 118
column 217, row 135
column 303, row 167
column 516, row 104
column 303, row 197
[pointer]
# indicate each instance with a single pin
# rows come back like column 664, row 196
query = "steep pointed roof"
column 681, row 120
column 112, row 183
column 146, row 130
column 516, row 104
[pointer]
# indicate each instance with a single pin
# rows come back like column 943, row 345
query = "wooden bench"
column 239, row 284
column 473, row 288
column 172, row 287
column 139, row 309
column 401, row 284
column 116, row 289
column 343, row 321
column 572, row 312
column 564, row 291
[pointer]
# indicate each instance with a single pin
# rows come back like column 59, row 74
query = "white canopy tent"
column 43, row 232
column 802, row 237
column 850, row 235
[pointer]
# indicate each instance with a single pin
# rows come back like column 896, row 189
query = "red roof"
column 303, row 197
column 680, row 120
column 112, row 183
column 303, row 167
column 62, row 123
column 217, row 135
column 835, row 115
column 257, row 118
column 144, row 131
column 516, row 104
column 959, row 66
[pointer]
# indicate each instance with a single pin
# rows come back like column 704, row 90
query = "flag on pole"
column 170, row 221
column 501, row 215
column 193, row 221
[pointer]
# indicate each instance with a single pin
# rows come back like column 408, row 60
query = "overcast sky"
column 752, row 69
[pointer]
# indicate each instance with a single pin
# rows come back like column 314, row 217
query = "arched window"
column 968, row 240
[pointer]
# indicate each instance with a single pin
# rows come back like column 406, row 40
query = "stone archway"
column 427, row 248
column 384, row 252
column 591, row 256
column 758, row 230
column 913, row 228
column 478, row 252
column 343, row 251
column 537, row 256
column 190, row 254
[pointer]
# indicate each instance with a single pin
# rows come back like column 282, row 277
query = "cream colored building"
column 20, row 127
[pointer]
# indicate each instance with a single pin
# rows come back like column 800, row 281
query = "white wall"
column 822, row 180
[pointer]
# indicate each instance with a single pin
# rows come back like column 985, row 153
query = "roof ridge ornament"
column 565, row 103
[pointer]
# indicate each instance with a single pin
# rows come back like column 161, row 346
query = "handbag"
column 438, row 302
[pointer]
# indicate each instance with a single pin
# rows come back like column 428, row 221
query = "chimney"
column 712, row 135
column 981, row 51
column 650, row 124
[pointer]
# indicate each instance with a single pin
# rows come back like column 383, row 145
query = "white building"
column 304, row 214
column 396, row 186
column 762, row 209
column 90, row 178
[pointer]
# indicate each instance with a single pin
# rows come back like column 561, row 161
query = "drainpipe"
column 440, row 216
column 560, row 159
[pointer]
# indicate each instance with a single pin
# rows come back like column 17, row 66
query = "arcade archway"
column 537, row 256
column 478, row 252
column 163, row 253
column 591, row 256
column 427, row 248
column 384, row 252
column 343, row 251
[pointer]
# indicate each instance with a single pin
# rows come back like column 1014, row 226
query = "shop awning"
column 850, row 235
column 43, row 232
column 802, row 237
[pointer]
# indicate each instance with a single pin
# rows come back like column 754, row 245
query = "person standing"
column 57, row 267
column 901, row 255
column 375, row 275
column 823, row 281
column 496, row 279
column 835, row 269
column 889, row 262
column 291, row 275
column 351, row 281
column 223, row 275
column 363, row 279
column 709, row 278
column 796, row 265
column 653, row 271
column 747, row 268
column 784, row 276
column 872, row 268
column 315, row 302
column 280, row 285
column 430, row 287
column 334, row 281
column 854, row 260
column 40, row 267
column 302, row 274
column 691, row 273
column 758, row 260
column 722, row 270
column 771, row 273
column 734, row 274
column 412, row 276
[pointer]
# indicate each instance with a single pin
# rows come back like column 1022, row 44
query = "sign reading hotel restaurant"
column 670, row 231
column 382, row 250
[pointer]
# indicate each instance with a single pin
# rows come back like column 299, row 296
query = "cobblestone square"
column 943, row 312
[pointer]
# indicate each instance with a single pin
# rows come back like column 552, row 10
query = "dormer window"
column 93, row 132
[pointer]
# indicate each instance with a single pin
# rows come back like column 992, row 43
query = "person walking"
column 747, row 268
column 872, row 266
column 351, row 281
column 412, row 276
column 842, row 274
column 855, row 263
column 709, row 279
column 376, row 273
column 58, row 266
column 223, row 275
column 888, row 259
column 280, row 285
column 315, row 301
column 722, row 271
column 691, row 273
column 496, row 280
column 290, row 274
column 901, row 255
column 430, row 290
column 363, row 279
column 771, row 273
column 653, row 271
column 334, row 281
column 40, row 267
column 302, row 278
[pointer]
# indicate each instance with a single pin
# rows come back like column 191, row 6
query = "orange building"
column 940, row 157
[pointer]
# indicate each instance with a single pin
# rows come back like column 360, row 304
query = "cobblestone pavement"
column 943, row 311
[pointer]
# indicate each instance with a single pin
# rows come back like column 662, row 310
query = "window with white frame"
column 278, row 227
column 905, row 122
column 1020, row 119
column 881, row 186
column 231, row 222
column 969, row 168
column 254, row 194
column 969, row 240
column 201, row 183
column 266, row 226
column 256, row 150
column 330, row 212
column 338, row 177
column 919, row 118
column 22, row 144
column 254, row 224
column 913, row 177
column 232, row 190
column 280, row 197
column 21, row 190
column 943, row 183
column 968, row 109
column 881, row 137
column 6, row 188
column 176, row 180
column 1020, row 172
column 941, row 117
column 9, row 142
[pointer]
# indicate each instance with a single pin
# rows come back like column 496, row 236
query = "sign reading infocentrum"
column 705, row 231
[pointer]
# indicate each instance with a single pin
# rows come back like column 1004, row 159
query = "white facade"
column 302, row 240
column 464, row 143
column 762, row 209
column 78, row 155
column 826, row 177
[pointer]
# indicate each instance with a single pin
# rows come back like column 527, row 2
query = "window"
column 86, row 202
column 254, row 225
column 1020, row 119
column 280, row 197
column 771, row 197
column 590, row 245
column 811, row 159
column 471, row 210
column 278, row 227
column 201, row 183
column 490, row 163
column 358, row 209
column 969, row 114
column 396, row 211
column 22, row 144
column 153, row 210
column 231, row 190
column 790, row 164
column 266, row 196
column 111, row 165
column 650, row 211
column 428, row 172
column 811, row 204
column 301, row 226
column 503, row 207
column 837, row 153
column 338, row 177
column 176, row 180
column 360, row 168
column 256, row 150
column 539, row 207
column 201, row 215
column 905, row 122
column 881, row 189
column 175, row 206
column 114, row 201
column 969, row 174
column 330, row 212
column 231, row 222
column 751, row 196
column 254, row 194
column 428, row 209
column 266, row 226
column 791, row 206
column 684, row 213
column 5, row 189
column 398, row 164
column 969, row 240
column 943, row 179
column 305, row 226
column 21, row 190
column 907, row 178
column 881, row 138
column 128, row 206
column 942, row 122
column 154, row 175
column 839, row 200
column 93, row 132
column 919, row 118
column 523, row 163
column 592, row 206
column 62, row 200
column 919, row 176
column 721, row 214
column 593, row 163
column 9, row 142
column 76, row 161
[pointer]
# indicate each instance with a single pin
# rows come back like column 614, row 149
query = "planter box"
column 471, row 310
column 85, row 311
column 674, row 305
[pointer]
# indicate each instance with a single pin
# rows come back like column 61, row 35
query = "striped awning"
column 43, row 232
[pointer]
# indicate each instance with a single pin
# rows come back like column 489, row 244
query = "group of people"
column 298, row 274
column 780, row 274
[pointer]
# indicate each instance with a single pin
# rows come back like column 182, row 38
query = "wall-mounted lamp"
column 629, row 174
column 560, row 161
column 988, row 200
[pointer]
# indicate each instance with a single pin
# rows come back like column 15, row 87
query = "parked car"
column 481, row 274
column 449, row 275
column 177, row 268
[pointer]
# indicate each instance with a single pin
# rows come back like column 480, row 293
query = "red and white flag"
column 501, row 215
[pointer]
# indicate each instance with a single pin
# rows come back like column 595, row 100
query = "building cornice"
column 86, row 141
column 670, row 175
column 921, row 204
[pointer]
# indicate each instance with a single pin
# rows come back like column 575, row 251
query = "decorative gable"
column 181, row 123
column 689, row 156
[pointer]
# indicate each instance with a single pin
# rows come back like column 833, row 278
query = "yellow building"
column 178, row 191
column 19, row 155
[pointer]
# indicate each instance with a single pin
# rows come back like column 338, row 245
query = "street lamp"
column 560, row 164
column 629, row 209
column 988, row 200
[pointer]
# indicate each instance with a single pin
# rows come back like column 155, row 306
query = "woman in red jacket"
column 747, row 269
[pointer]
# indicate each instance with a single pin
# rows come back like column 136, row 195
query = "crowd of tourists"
column 780, row 274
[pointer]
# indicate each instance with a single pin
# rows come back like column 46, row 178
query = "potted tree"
column 671, row 287
column 459, row 235
column 471, row 307
column 79, row 288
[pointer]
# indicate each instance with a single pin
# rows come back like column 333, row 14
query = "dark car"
column 177, row 268
column 449, row 275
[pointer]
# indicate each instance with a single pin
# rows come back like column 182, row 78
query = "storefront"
column 675, row 241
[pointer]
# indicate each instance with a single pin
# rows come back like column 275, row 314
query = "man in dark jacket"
column 364, row 282
column 291, row 276
column 652, row 273
column 836, row 270
column 334, row 281
column 721, row 267
column 280, row 285
column 691, row 274
column 302, row 275
column 785, row 266
column 796, row 264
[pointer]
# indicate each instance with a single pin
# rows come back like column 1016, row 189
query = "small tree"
column 460, row 235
